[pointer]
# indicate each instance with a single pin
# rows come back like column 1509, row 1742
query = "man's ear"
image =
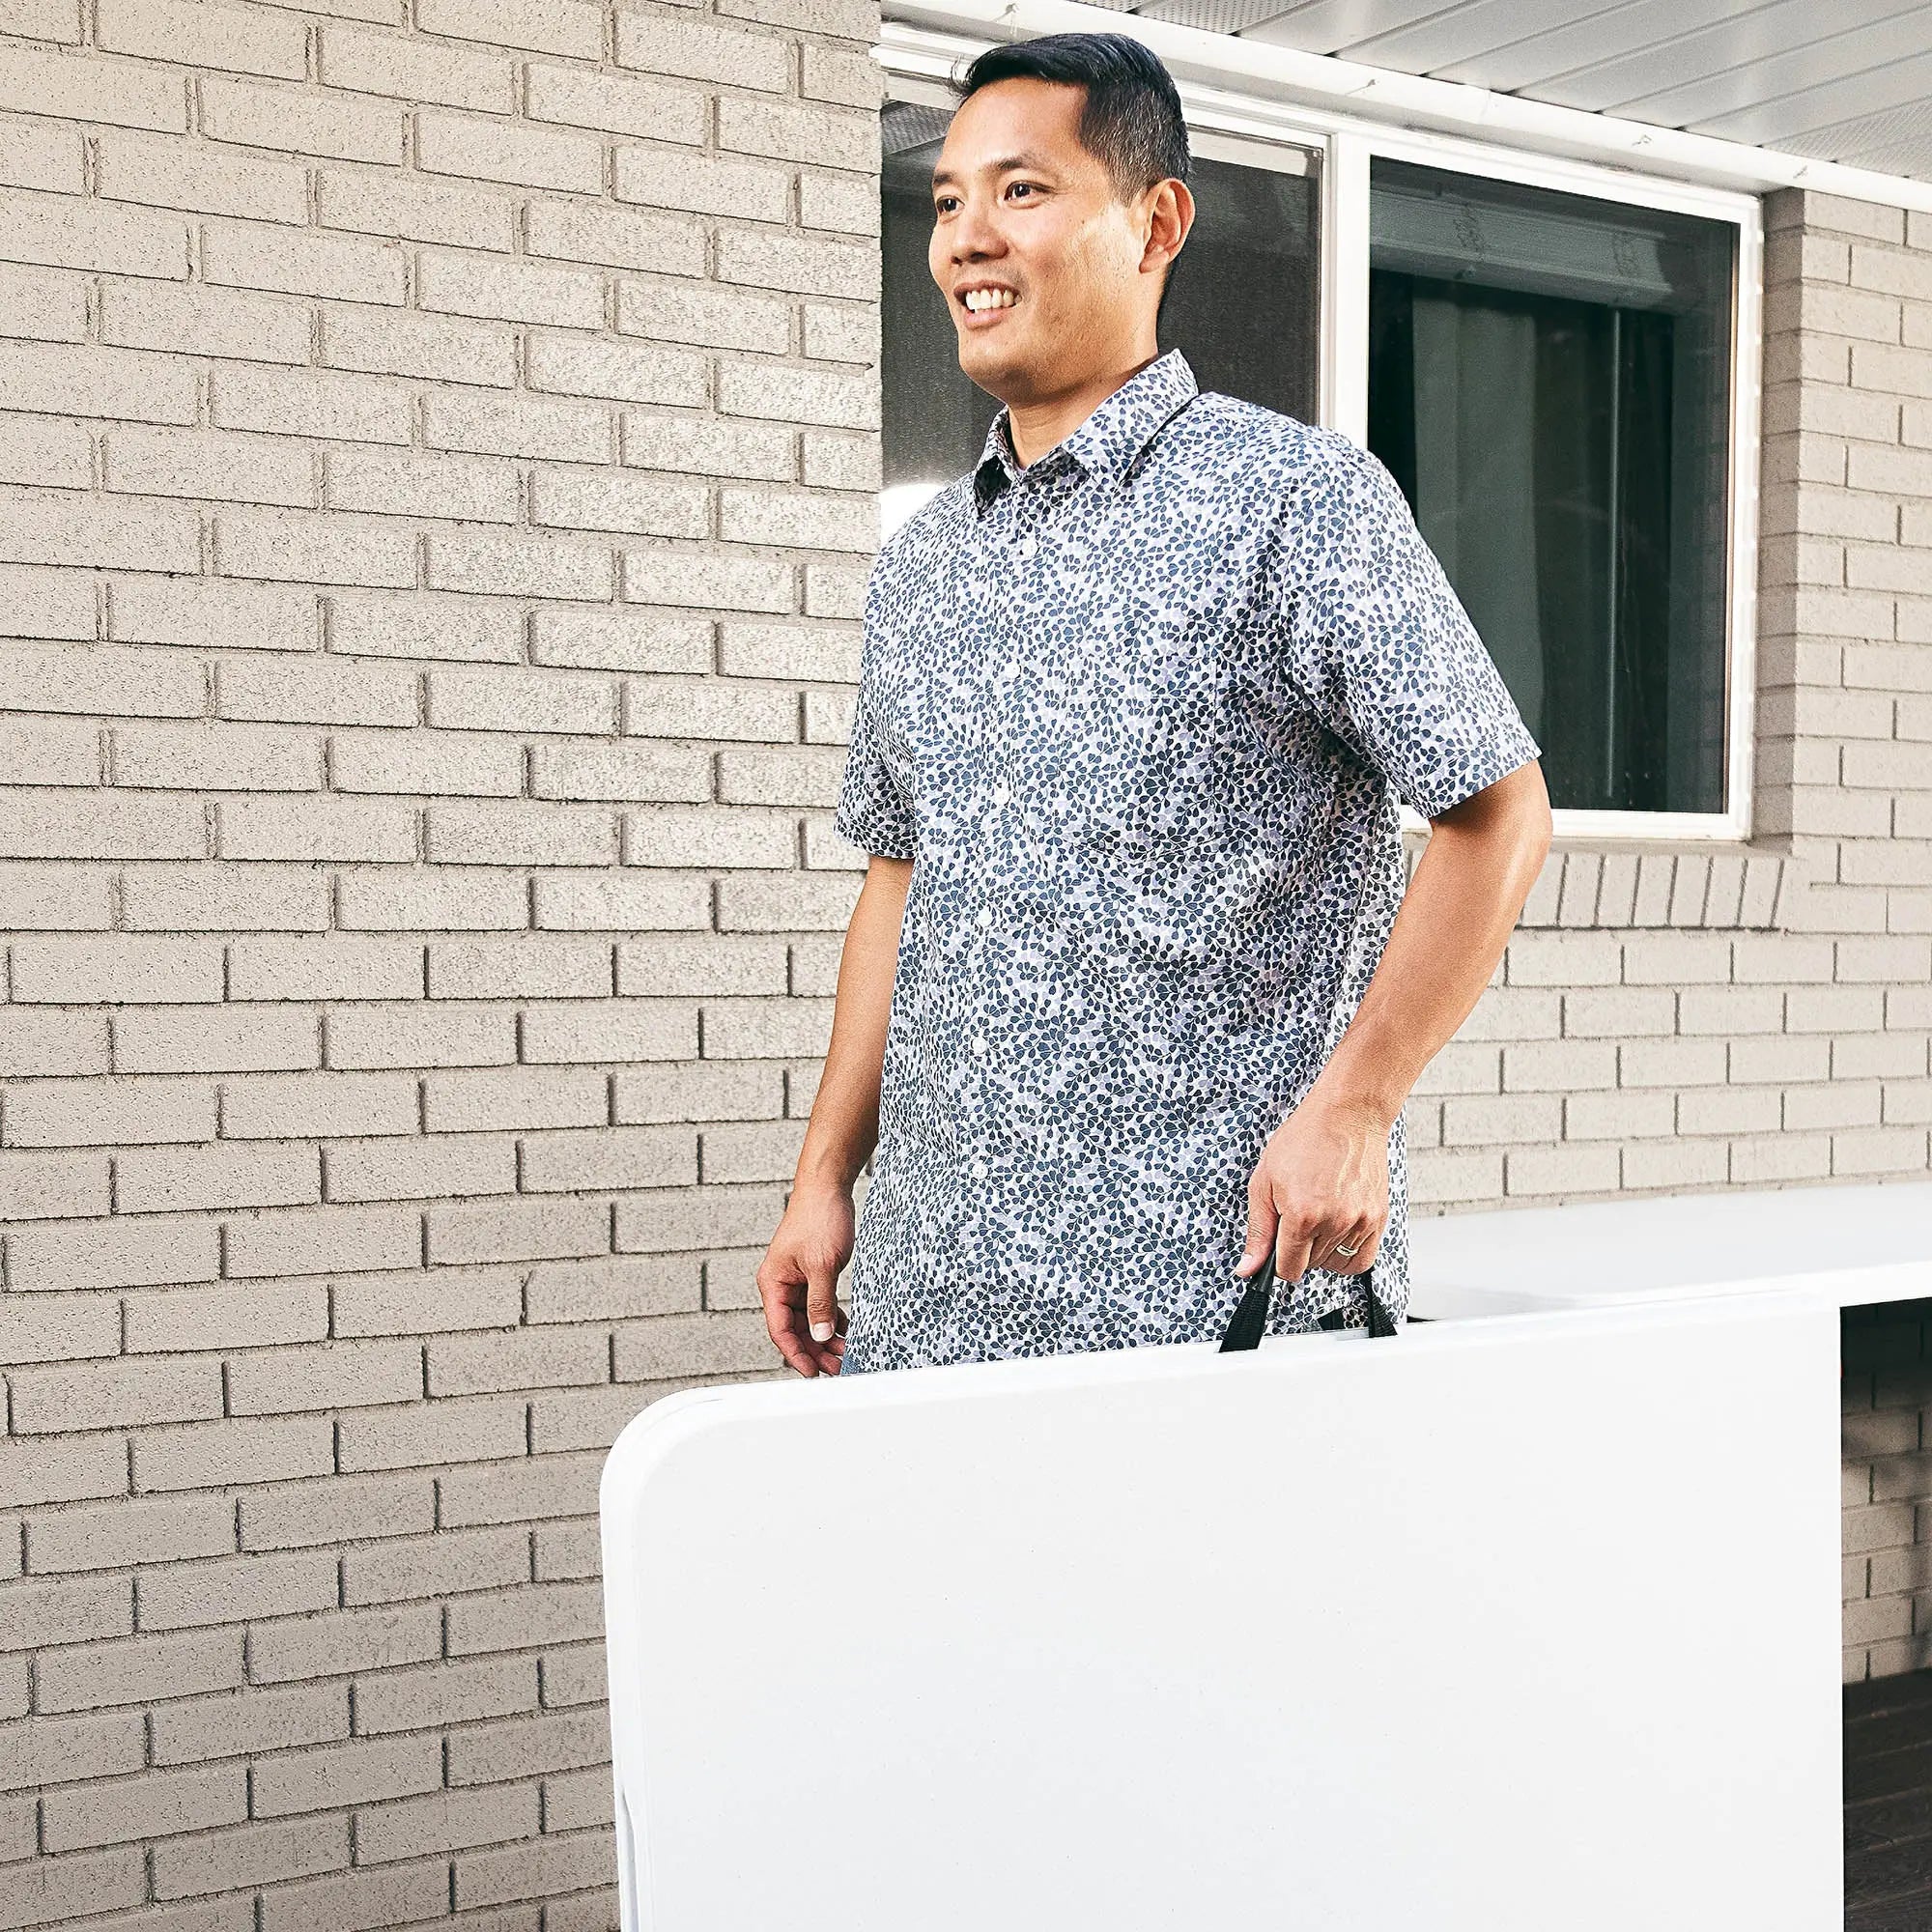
column 1169, row 215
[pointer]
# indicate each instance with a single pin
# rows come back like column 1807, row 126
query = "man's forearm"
column 844, row 1125
column 1450, row 930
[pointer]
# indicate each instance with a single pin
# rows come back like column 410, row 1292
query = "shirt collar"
column 1107, row 443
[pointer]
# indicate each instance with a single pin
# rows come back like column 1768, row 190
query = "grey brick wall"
column 437, row 456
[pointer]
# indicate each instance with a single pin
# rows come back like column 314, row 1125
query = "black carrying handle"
column 1249, row 1319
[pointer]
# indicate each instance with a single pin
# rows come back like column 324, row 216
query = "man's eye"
column 1019, row 187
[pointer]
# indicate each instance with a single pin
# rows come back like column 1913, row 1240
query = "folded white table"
column 1851, row 1242
column 1496, row 1624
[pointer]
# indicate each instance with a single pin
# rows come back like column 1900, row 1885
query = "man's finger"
column 1262, row 1223
column 821, row 1303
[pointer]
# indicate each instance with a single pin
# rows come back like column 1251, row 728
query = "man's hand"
column 799, row 1274
column 1322, row 1181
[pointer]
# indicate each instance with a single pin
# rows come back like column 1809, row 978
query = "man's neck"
column 1037, row 426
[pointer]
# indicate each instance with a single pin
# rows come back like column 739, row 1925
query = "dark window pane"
column 1241, row 308
column 1548, row 380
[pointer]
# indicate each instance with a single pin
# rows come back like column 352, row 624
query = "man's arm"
column 799, row 1274
column 1322, row 1179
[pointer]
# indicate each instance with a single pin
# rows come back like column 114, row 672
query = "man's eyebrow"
column 941, row 176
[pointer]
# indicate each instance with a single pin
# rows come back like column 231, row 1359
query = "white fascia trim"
column 1327, row 94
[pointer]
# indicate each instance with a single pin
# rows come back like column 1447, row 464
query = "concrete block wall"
column 438, row 469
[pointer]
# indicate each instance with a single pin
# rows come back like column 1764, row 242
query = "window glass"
column 1549, row 382
column 1242, row 303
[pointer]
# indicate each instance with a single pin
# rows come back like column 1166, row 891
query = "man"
column 1132, row 995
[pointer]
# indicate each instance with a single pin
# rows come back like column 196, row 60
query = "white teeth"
column 983, row 298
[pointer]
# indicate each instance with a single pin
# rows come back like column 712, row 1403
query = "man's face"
column 1023, row 210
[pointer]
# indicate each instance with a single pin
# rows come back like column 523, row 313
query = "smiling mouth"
column 988, row 302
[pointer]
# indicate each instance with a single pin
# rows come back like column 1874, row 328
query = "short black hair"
column 1130, row 119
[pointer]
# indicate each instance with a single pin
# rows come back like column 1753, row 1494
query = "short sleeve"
column 1377, row 640
column 874, row 811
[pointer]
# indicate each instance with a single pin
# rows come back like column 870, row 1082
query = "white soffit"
column 1744, row 93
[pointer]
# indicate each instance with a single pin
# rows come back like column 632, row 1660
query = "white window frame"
column 1226, row 122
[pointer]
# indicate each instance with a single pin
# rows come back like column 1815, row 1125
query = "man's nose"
column 975, row 233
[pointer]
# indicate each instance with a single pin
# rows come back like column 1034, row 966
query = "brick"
column 743, row 190
column 574, row 27
column 447, row 1821
column 359, row 1773
column 38, row 450
column 511, row 291
column 362, row 1898
column 198, row 34
column 244, row 1722
column 451, row 1562
column 229, row 1589
column 215, row 1454
column 306, row 120
column 40, row 1611
column 380, row 1036
column 391, row 483
column 342, row 827
column 311, row 263
column 341, row 1643
column 620, row 103
column 707, row 446
column 35, row 80
column 344, row 1375
column 408, row 68
column 833, row 398
column 45, row 1891
column 553, row 1864
column 602, row 500
column 159, row 1804
column 42, row 304
column 117, row 1395
column 236, row 1039
column 709, row 317
column 138, row 1253
column 699, row 578
column 57, row 1329
column 134, row 1670
column 203, row 321
column 52, row 1042
column 251, row 1855
column 210, row 614
column 531, row 1489
column 419, row 345
column 410, row 208
column 39, row 529
column 580, row 232
column 130, row 1531
column 52, row 1185
column 158, row 1179
column 344, row 406
column 40, row 1751
column 336, row 1509
column 307, row 1240
column 225, row 898
column 661, row 45
column 456, row 144
column 422, row 1435
column 99, row 678
column 628, row 372
column 275, row 1107
column 517, row 700
column 478, row 1297
column 312, row 548
column 522, row 967
column 61, row 1474
column 430, row 763
column 435, row 1695
column 163, row 171
column 520, row 567
column 526, row 1358
column 520, row 1230
column 797, row 131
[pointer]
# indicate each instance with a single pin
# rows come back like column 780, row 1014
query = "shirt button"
column 1027, row 545
column 978, row 1170
column 979, row 1043
column 1002, row 792
column 986, row 914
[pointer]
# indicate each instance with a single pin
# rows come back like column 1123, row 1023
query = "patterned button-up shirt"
column 1140, row 712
